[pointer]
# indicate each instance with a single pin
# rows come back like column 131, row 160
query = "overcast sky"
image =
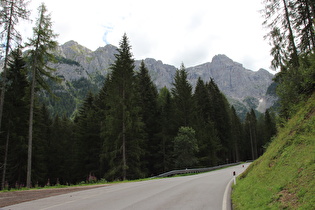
column 173, row 31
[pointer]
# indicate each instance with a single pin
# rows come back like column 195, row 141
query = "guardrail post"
column 234, row 177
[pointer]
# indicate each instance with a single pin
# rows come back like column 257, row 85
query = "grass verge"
column 284, row 177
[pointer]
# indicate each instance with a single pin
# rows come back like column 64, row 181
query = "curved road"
column 202, row 191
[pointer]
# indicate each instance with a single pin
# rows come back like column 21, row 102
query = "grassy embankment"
column 284, row 177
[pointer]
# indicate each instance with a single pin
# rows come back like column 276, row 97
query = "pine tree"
column 236, row 135
column 222, row 121
column 206, row 132
column 15, row 119
column 42, row 136
column 182, row 94
column 88, row 140
column 278, row 17
column 185, row 148
column 251, row 130
column 102, row 108
column 123, row 128
column 11, row 12
column 42, row 43
column 270, row 126
column 304, row 15
column 168, row 129
column 147, row 93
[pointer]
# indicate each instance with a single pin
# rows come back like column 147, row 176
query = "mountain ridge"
column 244, row 88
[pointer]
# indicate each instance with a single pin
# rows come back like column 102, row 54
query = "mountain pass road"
column 201, row 191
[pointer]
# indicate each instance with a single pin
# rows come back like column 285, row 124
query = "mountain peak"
column 223, row 59
column 75, row 47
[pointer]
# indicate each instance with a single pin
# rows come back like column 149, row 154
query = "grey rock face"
column 236, row 82
column 232, row 78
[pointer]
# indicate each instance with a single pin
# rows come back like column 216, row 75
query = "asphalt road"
column 202, row 191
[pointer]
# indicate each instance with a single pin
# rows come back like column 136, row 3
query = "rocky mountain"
column 83, row 69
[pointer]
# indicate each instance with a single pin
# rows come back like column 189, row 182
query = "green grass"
column 284, row 177
column 100, row 182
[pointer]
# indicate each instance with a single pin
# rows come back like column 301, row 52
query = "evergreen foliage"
column 206, row 132
column 147, row 102
column 126, row 130
column 42, row 44
column 167, row 129
column 10, row 14
column 15, row 120
column 291, row 24
column 185, row 148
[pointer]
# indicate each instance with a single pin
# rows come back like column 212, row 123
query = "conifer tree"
column 42, row 135
column 10, row 14
column 222, row 120
column 88, row 139
column 15, row 118
column 291, row 24
column 147, row 93
column 124, row 127
column 185, row 148
column 168, row 130
column 251, row 128
column 42, row 43
column 236, row 135
column 206, row 132
column 278, row 17
column 270, row 126
column 182, row 94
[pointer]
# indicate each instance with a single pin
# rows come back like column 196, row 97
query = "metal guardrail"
column 196, row 170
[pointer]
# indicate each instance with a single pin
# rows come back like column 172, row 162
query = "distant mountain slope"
column 244, row 88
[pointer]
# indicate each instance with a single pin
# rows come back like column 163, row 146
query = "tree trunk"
column 5, row 160
column 311, row 21
column 30, row 132
column 6, row 59
column 251, row 141
column 294, row 55
column 124, row 138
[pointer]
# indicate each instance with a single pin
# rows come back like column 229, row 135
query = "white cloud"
column 172, row 31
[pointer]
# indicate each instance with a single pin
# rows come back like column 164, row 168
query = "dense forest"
column 130, row 129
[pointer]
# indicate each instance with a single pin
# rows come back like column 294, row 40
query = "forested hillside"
column 128, row 129
column 283, row 178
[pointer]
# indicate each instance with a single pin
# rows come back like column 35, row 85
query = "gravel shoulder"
column 15, row 197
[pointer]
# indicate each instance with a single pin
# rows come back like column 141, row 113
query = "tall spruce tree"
column 278, row 17
column 15, row 118
column 185, row 148
column 42, row 135
column 124, row 127
column 88, row 139
column 270, row 126
column 236, row 130
column 147, row 93
column 42, row 44
column 168, row 129
column 10, row 14
column 251, row 131
column 222, row 121
column 183, row 102
column 206, row 132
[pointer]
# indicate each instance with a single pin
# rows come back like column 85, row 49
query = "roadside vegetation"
column 283, row 178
